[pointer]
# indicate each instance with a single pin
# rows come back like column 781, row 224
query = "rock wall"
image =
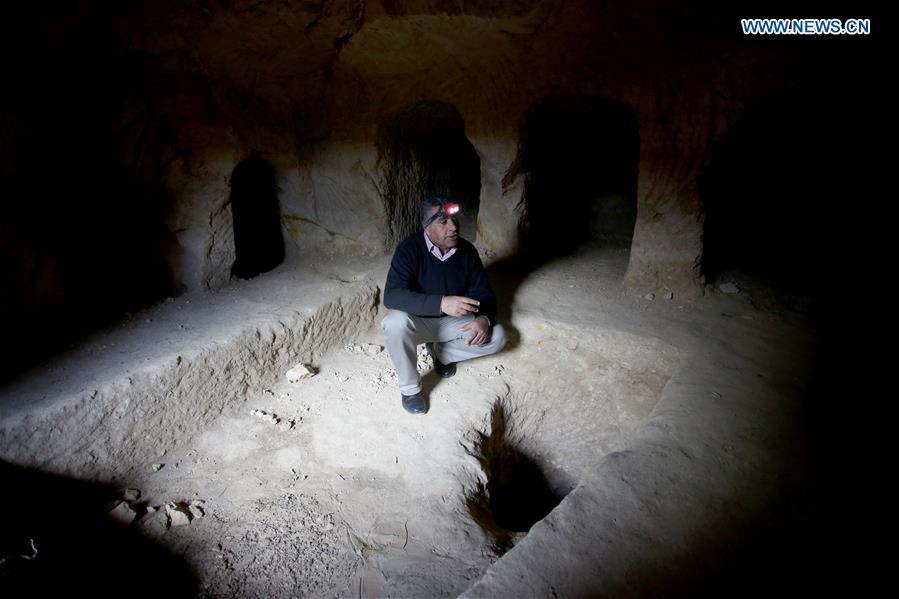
column 176, row 94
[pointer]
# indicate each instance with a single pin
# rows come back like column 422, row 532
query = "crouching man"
column 437, row 293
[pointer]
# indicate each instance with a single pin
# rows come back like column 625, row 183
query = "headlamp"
column 446, row 210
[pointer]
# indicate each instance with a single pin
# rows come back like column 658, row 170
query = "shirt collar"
column 433, row 249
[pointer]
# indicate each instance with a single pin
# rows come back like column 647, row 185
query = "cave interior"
column 246, row 160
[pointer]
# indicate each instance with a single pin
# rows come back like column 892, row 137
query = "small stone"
column 728, row 288
column 299, row 372
column 650, row 296
column 123, row 513
column 195, row 508
column 152, row 509
column 370, row 349
column 157, row 467
column 424, row 362
column 669, row 295
column 177, row 515
column 268, row 392
column 131, row 494
column 284, row 396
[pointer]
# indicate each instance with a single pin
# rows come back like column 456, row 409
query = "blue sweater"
column 418, row 280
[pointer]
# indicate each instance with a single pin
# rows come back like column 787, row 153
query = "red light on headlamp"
column 444, row 211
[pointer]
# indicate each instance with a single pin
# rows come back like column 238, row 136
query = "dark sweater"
column 418, row 280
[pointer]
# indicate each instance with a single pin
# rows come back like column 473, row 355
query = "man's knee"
column 396, row 322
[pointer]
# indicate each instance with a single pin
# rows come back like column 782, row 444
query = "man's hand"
column 456, row 305
column 480, row 331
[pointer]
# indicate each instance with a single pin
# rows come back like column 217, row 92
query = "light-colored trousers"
column 403, row 332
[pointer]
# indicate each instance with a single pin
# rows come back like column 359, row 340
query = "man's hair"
column 432, row 202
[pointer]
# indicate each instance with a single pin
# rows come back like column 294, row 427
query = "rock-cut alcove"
column 258, row 243
column 423, row 151
column 776, row 194
column 578, row 156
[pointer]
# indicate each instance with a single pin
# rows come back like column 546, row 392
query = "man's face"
column 443, row 232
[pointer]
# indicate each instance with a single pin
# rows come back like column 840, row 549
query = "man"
column 437, row 293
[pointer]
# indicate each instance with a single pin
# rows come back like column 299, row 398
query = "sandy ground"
column 326, row 487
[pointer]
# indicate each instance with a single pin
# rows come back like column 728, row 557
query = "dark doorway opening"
column 258, row 242
column 579, row 158
column 781, row 194
column 423, row 151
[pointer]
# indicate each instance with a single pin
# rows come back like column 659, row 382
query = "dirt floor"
column 326, row 487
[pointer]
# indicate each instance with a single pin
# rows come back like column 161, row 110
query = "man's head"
column 439, row 217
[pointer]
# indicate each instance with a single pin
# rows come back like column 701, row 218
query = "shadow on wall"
column 85, row 232
column 579, row 159
column 80, row 249
column 423, row 151
column 58, row 542
column 258, row 242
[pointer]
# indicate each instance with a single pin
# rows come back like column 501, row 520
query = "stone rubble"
column 425, row 362
column 369, row 349
column 299, row 372
column 177, row 514
column 285, row 424
column 195, row 508
column 728, row 287
column 383, row 378
column 180, row 513
column 122, row 513
column 267, row 416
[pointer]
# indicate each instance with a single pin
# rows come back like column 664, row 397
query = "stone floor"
column 673, row 430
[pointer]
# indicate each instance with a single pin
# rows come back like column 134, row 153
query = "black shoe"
column 415, row 404
column 444, row 370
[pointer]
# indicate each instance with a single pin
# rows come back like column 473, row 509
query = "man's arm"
column 398, row 291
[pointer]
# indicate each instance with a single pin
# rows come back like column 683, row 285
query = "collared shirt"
column 433, row 249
